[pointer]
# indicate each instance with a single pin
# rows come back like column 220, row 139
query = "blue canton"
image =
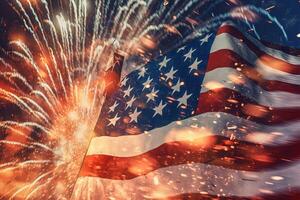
column 163, row 91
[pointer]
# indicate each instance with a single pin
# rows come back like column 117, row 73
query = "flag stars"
column 159, row 109
column 181, row 49
column 147, row 83
column 127, row 92
column 164, row 63
column 195, row 65
column 176, row 87
column 142, row 72
column 170, row 74
column 205, row 39
column 183, row 100
column 114, row 120
column 124, row 81
column 113, row 107
column 189, row 55
column 134, row 116
column 130, row 102
column 152, row 95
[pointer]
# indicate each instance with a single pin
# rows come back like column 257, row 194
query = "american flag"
column 216, row 118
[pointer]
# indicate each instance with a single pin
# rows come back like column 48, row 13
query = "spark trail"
column 51, row 82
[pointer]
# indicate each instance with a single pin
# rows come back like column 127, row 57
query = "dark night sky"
column 286, row 11
column 288, row 14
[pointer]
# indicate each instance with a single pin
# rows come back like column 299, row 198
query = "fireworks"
column 51, row 80
column 52, row 84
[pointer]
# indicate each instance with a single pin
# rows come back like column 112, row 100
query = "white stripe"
column 209, row 123
column 190, row 178
column 227, row 41
column 269, row 73
column 292, row 59
column 228, row 77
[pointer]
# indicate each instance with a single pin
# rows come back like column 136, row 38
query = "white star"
column 114, row 120
column 164, row 62
column 170, row 74
column 134, row 115
column 152, row 95
column 142, row 72
column 205, row 39
column 176, row 88
column 189, row 54
column 147, row 83
column 181, row 49
column 113, row 107
column 183, row 100
column 124, row 81
column 130, row 102
column 194, row 66
column 127, row 92
column 159, row 109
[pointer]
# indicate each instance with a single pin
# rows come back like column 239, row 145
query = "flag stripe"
column 231, row 78
column 208, row 123
column 215, row 150
column 285, row 51
column 290, row 61
column 200, row 178
column 268, row 73
column 268, row 81
column 287, row 194
column 230, row 101
column 227, row 41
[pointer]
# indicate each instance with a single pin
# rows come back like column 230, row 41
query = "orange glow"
column 172, row 29
column 193, row 137
column 236, row 79
column 160, row 192
column 245, row 14
column 212, row 85
column 235, row 2
column 142, row 166
column 261, row 157
column 191, row 21
column 32, row 2
column 17, row 37
column 14, row 136
column 232, row 101
column 148, row 42
column 261, row 138
column 255, row 110
column 275, row 63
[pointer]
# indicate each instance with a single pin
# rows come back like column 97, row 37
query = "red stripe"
column 264, row 57
column 232, row 102
column 285, row 49
column 233, row 60
column 288, row 194
column 215, row 150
